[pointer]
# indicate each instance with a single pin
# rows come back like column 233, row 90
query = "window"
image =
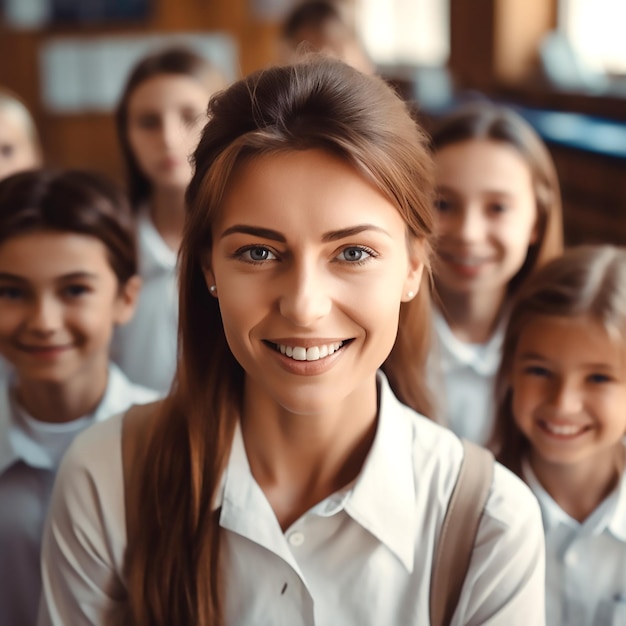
column 595, row 29
column 414, row 32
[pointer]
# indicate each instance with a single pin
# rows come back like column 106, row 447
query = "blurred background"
column 561, row 63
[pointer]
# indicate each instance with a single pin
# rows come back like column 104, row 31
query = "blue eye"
column 354, row 254
column 255, row 254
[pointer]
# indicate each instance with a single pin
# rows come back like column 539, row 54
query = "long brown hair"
column 586, row 280
column 172, row 566
column 485, row 120
column 175, row 61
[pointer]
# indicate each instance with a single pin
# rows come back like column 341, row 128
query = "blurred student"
column 499, row 219
column 321, row 26
column 159, row 119
column 561, row 422
column 19, row 141
column 68, row 276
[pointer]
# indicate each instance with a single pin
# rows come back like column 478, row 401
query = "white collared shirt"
column 585, row 563
column 361, row 557
column 29, row 454
column 462, row 375
column 146, row 347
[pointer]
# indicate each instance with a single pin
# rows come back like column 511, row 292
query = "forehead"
column 57, row 253
column 570, row 339
column 13, row 126
column 476, row 163
column 168, row 89
column 308, row 190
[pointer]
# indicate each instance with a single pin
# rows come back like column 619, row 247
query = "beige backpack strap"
column 458, row 533
column 135, row 439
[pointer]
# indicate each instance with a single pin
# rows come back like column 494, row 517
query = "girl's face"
column 166, row 114
column 17, row 152
column 311, row 263
column 59, row 301
column 569, row 390
column 486, row 215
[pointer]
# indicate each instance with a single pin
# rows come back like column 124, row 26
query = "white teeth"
column 565, row 430
column 314, row 353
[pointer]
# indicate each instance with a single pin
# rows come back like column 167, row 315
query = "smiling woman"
column 282, row 448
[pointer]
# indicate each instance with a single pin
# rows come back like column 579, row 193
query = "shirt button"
column 296, row 539
column 571, row 559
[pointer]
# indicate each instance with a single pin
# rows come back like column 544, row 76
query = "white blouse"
column 361, row 557
column 462, row 377
column 146, row 347
column 585, row 563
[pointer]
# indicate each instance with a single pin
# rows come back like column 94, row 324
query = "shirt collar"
column 380, row 500
column 156, row 257
column 19, row 448
column 612, row 518
column 484, row 359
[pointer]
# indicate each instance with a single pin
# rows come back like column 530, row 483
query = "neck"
column 167, row 210
column 472, row 317
column 580, row 488
column 62, row 402
column 299, row 460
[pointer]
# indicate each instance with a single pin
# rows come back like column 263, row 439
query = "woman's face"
column 166, row 114
column 311, row 264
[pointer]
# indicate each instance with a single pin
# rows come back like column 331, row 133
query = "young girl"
column 19, row 142
column 284, row 482
column 159, row 119
column 499, row 218
column 561, row 421
column 67, row 277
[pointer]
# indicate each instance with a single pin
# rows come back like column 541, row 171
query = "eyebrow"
column 535, row 356
column 72, row 276
column 274, row 235
column 485, row 192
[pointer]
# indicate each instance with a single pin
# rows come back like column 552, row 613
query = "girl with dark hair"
column 159, row 118
column 282, row 481
column 561, row 421
column 499, row 219
column 67, row 277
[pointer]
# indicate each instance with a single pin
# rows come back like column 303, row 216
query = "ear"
column 207, row 271
column 413, row 278
column 126, row 300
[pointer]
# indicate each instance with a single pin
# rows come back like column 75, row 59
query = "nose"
column 45, row 316
column 172, row 131
column 304, row 296
column 566, row 398
column 469, row 224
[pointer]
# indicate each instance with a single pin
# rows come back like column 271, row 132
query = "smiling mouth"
column 466, row 261
column 563, row 430
column 312, row 353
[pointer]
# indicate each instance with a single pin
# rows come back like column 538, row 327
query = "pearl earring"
column 213, row 289
column 411, row 294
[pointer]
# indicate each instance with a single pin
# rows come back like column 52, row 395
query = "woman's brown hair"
column 585, row 281
column 173, row 564
column 176, row 61
column 72, row 201
column 492, row 122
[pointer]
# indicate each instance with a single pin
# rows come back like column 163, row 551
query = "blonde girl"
column 19, row 141
column 561, row 422
column 283, row 481
column 499, row 219
column 67, row 276
column 159, row 118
